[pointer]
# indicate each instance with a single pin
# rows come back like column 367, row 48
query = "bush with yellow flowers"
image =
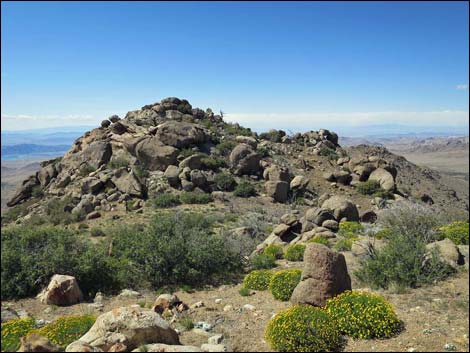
column 319, row 239
column 66, row 330
column 303, row 329
column 456, row 231
column 257, row 280
column 274, row 251
column 283, row 283
column 13, row 330
column 365, row 315
column 295, row 252
column 350, row 230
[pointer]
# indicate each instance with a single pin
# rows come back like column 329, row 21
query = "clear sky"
column 297, row 65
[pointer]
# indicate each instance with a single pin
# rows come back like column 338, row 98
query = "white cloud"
column 462, row 87
column 26, row 122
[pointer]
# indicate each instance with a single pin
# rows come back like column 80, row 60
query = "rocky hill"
column 170, row 146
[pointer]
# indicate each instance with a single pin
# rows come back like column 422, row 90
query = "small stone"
column 197, row 305
column 249, row 307
column 213, row 348
column 412, row 349
column 218, row 301
column 228, row 307
column 449, row 347
column 203, row 325
column 215, row 339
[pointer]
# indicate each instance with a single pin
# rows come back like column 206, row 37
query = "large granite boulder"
column 244, row 160
column 324, row 276
column 278, row 190
column 62, row 290
column 127, row 183
column 154, row 155
column 180, row 134
column 384, row 177
column 341, row 208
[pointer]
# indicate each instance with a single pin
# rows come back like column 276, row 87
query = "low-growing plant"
column 225, row 147
column 97, row 232
column 13, row 330
column 245, row 189
column 118, row 162
column 273, row 135
column 224, row 182
column 328, row 153
column 456, row 231
column 303, row 329
column 343, row 245
column 261, row 261
column 368, row 187
column 37, row 191
column 383, row 233
column 274, row 250
column 350, row 230
column 192, row 197
column 166, row 200
column 86, row 169
column 66, row 330
column 212, row 162
column 263, row 151
column 244, row 292
column 295, row 252
column 318, row 239
column 283, row 283
column 384, row 194
column 186, row 322
column 257, row 280
column 364, row 315
column 186, row 152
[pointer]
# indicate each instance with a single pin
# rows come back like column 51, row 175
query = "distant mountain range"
column 27, row 151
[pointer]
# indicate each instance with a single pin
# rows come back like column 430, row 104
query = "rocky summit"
column 169, row 146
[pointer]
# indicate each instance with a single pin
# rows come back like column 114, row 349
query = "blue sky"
column 292, row 65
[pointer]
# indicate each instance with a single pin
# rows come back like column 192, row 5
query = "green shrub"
column 166, row 200
column 261, row 261
column 283, row 283
column 245, row 189
column 368, row 187
column 225, row 147
column 318, row 239
column 13, row 330
column 350, row 230
column 328, row 153
column 274, row 251
column 384, row 194
column 56, row 212
column 86, row 169
column 97, row 232
column 295, row 252
column 118, row 162
column 224, row 182
column 66, row 330
column 186, row 322
column 303, row 329
column 273, row 135
column 192, row 197
column 383, row 233
column 244, row 292
column 186, row 152
column 213, row 162
column 140, row 171
column 30, row 256
column 263, row 151
column 257, row 280
column 363, row 315
column 456, row 231
column 37, row 191
column 343, row 245
column 237, row 130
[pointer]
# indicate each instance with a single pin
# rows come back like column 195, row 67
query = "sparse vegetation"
column 343, row 245
column 295, row 252
column 225, row 147
column 318, row 239
column 283, row 283
column 118, row 162
column 86, row 169
column 368, row 187
column 328, row 153
column 166, row 200
column 186, row 322
column 192, row 197
column 212, row 162
column 97, row 232
column 350, row 230
column 244, row 292
column 224, row 182
column 303, row 329
column 245, row 189
column 261, row 261
column 274, row 250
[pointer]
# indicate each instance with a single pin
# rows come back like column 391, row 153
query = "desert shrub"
column 166, row 200
column 118, row 162
column 224, row 182
column 86, row 169
column 13, row 330
column 225, row 147
column 383, row 194
column 30, row 256
column 66, row 330
column 382, row 233
column 295, row 252
column 368, row 187
column 456, row 231
column 244, row 292
column 328, row 153
column 140, row 171
column 212, row 162
column 273, row 135
column 175, row 249
column 274, row 251
column 97, row 232
column 56, row 211
column 318, row 239
column 403, row 261
column 236, row 130
column 13, row 213
column 261, row 261
column 363, row 315
column 350, row 229
column 283, row 283
column 37, row 191
column 303, row 329
column 186, row 322
column 186, row 152
column 245, row 189
column 263, row 151
column 343, row 245
column 258, row 280
column 192, row 197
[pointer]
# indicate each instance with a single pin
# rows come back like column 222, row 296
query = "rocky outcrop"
column 24, row 191
column 61, row 290
column 181, row 135
column 447, row 251
column 341, row 208
column 155, row 155
column 127, row 183
column 324, row 276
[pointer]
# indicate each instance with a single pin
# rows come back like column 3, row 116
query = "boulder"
column 324, row 276
column 95, row 154
column 244, row 160
column 278, row 190
column 154, row 155
column 93, row 215
column 164, row 302
column 46, row 173
column 364, row 170
column 368, row 216
column 247, row 140
column 37, row 343
column 448, row 252
column 192, row 162
column 343, row 177
column 318, row 215
column 105, row 123
column 299, row 183
column 276, row 173
column 114, row 118
column 331, row 224
column 131, row 326
column 172, row 175
column 9, row 314
column 91, row 185
column 24, row 191
column 341, row 208
column 385, row 178
column 180, row 134
column 198, row 178
column 127, row 183
column 62, row 290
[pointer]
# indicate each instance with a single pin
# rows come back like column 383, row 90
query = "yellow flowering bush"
column 365, row 315
column 283, row 283
column 303, row 329
column 318, row 239
column 350, row 230
column 13, row 330
column 257, row 280
column 274, row 251
column 295, row 252
column 66, row 330
column 456, row 231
